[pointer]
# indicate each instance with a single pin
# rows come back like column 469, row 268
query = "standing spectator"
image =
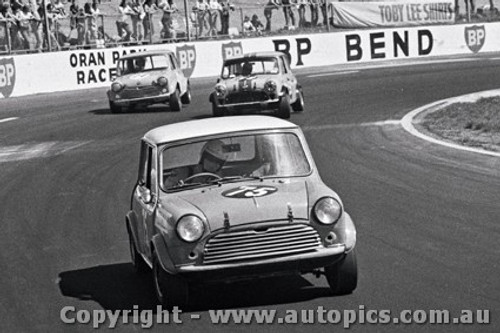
column 149, row 9
column 6, row 23
column 301, row 8
column 201, row 10
column 123, row 22
column 36, row 24
column 248, row 27
column 137, row 17
column 257, row 24
column 24, row 17
column 93, row 16
column 81, row 26
column 224, row 16
column 324, row 11
column 289, row 15
column 314, row 12
column 268, row 12
column 214, row 8
column 169, row 8
column 73, row 12
column 470, row 5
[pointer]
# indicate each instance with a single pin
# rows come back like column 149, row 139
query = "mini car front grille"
column 139, row 91
column 261, row 244
column 247, row 96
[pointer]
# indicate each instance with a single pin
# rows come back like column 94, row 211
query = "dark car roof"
column 146, row 53
column 268, row 54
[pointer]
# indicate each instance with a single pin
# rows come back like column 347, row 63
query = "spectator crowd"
column 36, row 25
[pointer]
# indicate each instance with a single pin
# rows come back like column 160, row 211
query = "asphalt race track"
column 428, row 217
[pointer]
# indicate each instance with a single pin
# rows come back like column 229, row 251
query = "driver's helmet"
column 247, row 69
column 140, row 63
column 212, row 156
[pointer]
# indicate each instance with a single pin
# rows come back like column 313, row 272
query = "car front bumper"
column 300, row 263
column 271, row 104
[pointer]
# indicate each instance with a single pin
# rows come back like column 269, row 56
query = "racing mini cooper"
column 257, row 82
column 225, row 199
column 146, row 78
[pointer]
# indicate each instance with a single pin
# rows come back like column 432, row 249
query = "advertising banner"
column 28, row 74
column 392, row 13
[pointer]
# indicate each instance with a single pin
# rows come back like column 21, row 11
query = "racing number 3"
column 250, row 191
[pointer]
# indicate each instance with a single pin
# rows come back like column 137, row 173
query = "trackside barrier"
column 82, row 69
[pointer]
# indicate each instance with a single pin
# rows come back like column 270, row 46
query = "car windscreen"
column 142, row 63
column 233, row 158
column 250, row 66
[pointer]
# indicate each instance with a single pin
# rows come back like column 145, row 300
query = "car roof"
column 145, row 53
column 214, row 126
column 257, row 55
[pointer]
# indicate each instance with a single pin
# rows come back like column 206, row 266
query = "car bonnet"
column 250, row 202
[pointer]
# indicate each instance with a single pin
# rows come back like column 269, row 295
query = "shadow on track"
column 119, row 287
column 136, row 110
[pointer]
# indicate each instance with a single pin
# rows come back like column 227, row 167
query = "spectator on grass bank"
column 137, row 18
column 169, row 8
column 257, row 24
column 289, row 15
column 268, row 12
column 149, row 9
column 226, row 7
column 123, row 22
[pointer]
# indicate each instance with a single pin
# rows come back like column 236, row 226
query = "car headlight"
column 116, row 87
column 190, row 228
column 162, row 81
column 327, row 210
column 270, row 86
column 220, row 90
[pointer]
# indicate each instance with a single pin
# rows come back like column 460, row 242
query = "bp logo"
column 187, row 59
column 232, row 49
column 7, row 76
column 474, row 37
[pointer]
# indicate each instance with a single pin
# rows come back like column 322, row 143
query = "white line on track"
column 4, row 120
column 334, row 126
column 333, row 73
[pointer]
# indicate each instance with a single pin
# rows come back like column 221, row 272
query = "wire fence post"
column 186, row 17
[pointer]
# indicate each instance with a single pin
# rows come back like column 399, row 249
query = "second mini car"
column 146, row 78
column 257, row 82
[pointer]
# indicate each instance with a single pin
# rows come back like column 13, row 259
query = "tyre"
column 284, row 107
column 343, row 275
column 216, row 110
column 114, row 108
column 298, row 105
column 186, row 98
column 171, row 290
column 175, row 101
column 137, row 260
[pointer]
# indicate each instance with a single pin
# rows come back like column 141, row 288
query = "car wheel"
column 186, row 98
column 298, row 105
column 171, row 290
column 137, row 260
column 216, row 110
column 343, row 275
column 114, row 108
column 175, row 101
column 284, row 107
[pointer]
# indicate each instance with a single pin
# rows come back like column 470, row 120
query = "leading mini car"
column 261, row 82
column 222, row 199
column 149, row 77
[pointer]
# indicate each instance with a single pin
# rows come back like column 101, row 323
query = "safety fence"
column 106, row 28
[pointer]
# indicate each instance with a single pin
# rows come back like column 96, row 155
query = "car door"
column 178, row 73
column 146, row 197
column 291, row 81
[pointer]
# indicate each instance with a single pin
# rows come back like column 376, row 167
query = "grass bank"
column 471, row 124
